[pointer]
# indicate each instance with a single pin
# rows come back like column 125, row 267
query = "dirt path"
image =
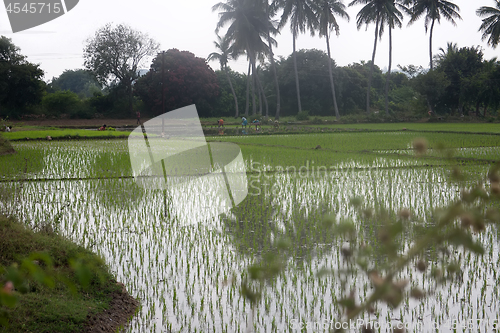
column 121, row 308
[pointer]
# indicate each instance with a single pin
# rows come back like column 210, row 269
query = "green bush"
column 317, row 121
column 60, row 102
column 302, row 115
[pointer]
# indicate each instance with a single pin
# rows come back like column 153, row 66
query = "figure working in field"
column 244, row 122
column 102, row 128
column 138, row 114
column 256, row 122
column 220, row 122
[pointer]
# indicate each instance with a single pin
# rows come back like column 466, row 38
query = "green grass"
column 367, row 141
column 57, row 309
column 62, row 133
column 433, row 127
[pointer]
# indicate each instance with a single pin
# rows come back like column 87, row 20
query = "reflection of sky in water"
column 175, row 269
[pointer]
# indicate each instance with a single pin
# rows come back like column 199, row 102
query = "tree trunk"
column 296, row 74
column 336, row 108
column 259, row 83
column 130, row 99
column 429, row 104
column 232, row 91
column 248, row 89
column 430, row 45
column 273, row 66
column 388, row 75
column 259, row 95
column 254, row 101
column 371, row 69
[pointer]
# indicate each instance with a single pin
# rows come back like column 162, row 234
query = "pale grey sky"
column 190, row 24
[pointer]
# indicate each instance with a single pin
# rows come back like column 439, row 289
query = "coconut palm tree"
column 491, row 24
column 451, row 48
column 223, row 44
column 433, row 11
column 301, row 14
column 327, row 22
column 382, row 13
column 248, row 24
column 270, row 12
column 394, row 18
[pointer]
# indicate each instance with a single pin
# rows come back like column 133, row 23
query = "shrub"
column 60, row 102
column 317, row 121
column 302, row 115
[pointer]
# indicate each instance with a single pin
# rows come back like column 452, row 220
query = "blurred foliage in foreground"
column 384, row 259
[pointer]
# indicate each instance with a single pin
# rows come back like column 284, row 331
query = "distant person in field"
column 244, row 122
column 102, row 128
column 138, row 114
column 256, row 122
column 220, row 122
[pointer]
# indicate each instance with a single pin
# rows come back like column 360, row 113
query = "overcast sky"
column 190, row 24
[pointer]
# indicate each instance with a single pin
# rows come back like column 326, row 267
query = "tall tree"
column 79, row 81
column 327, row 9
column 223, row 44
column 115, row 54
column 270, row 12
column 182, row 79
column 461, row 66
column 301, row 14
column 21, row 83
column 248, row 25
column 491, row 23
column 433, row 11
column 394, row 18
column 382, row 13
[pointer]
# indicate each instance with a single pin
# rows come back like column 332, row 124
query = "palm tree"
column 223, row 45
column 302, row 15
column 248, row 23
column 327, row 9
column 491, row 24
column 433, row 10
column 382, row 13
column 394, row 18
column 270, row 12
column 451, row 48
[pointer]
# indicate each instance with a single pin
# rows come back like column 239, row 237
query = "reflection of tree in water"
column 260, row 224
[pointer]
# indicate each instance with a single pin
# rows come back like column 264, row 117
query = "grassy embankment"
column 57, row 309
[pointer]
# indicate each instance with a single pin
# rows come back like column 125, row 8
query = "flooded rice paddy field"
column 188, row 276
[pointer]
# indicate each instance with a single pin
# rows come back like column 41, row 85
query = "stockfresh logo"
column 28, row 14
column 200, row 180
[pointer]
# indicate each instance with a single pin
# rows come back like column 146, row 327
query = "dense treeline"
column 462, row 82
column 459, row 80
